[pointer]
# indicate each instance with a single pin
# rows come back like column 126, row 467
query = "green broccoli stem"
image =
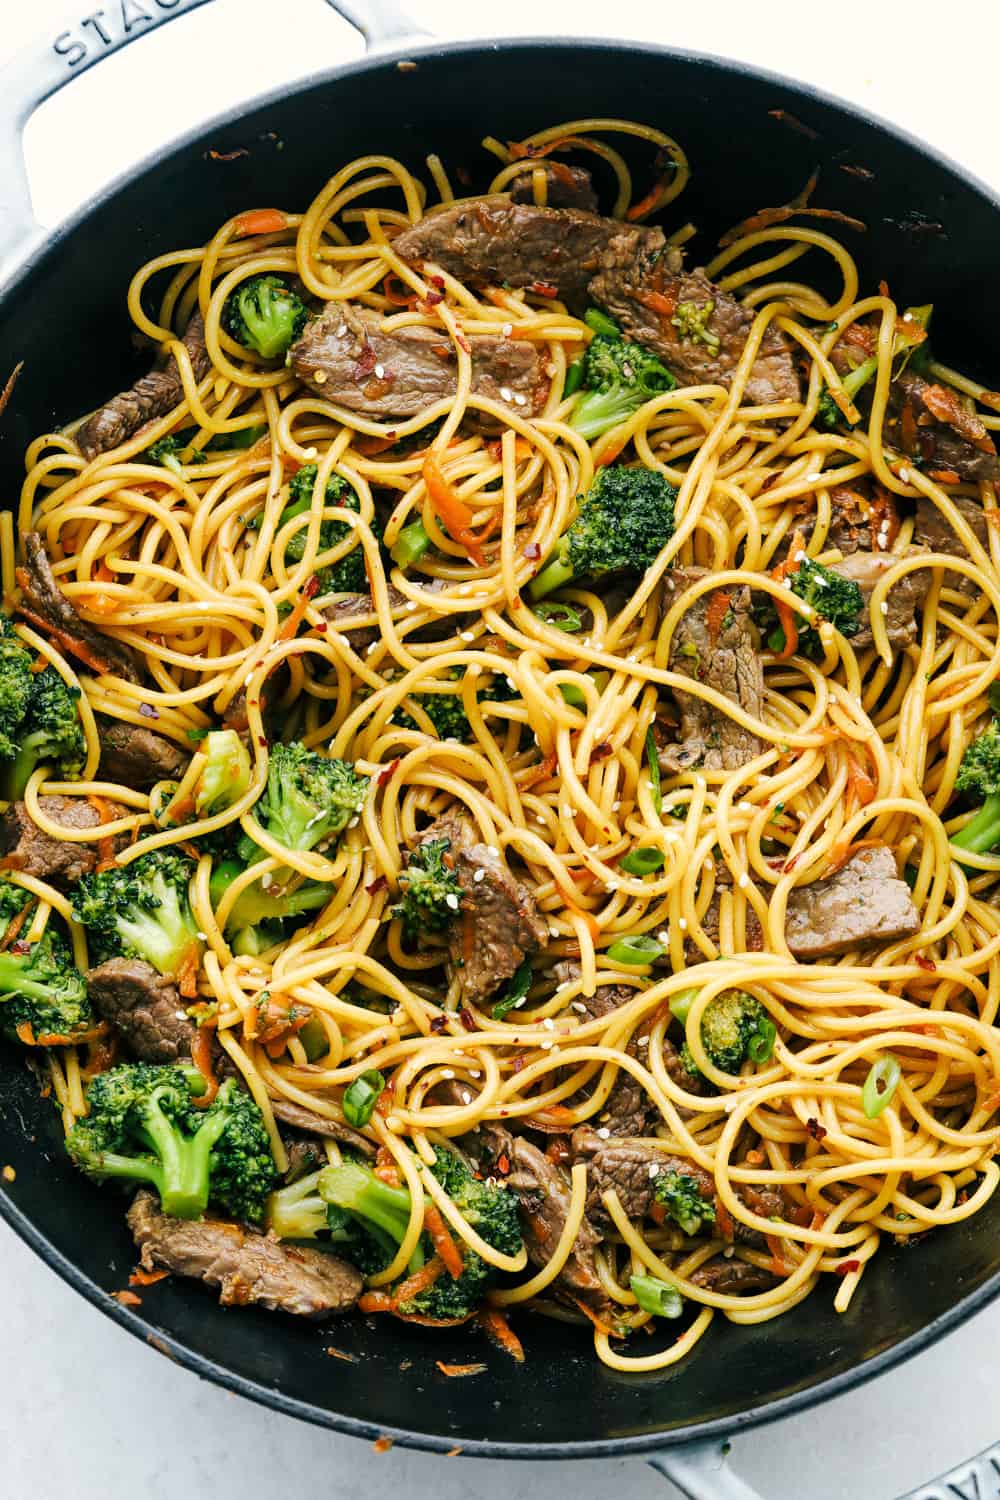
column 981, row 834
column 14, row 979
column 297, row 1212
column 553, row 576
column 356, row 1189
column 181, row 1174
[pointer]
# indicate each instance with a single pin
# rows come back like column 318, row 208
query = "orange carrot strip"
column 716, row 613
column 452, row 510
column 139, row 1277
column 201, row 1056
column 290, row 628
column 861, row 785
column 419, row 1281
column 375, row 1302
column 650, row 201
column 260, row 221
column 444, row 1244
column 499, row 1331
column 16, row 923
column 459, row 1370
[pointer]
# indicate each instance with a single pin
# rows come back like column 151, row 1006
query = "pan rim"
column 21, row 269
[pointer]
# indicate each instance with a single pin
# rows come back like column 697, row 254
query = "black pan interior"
column 752, row 141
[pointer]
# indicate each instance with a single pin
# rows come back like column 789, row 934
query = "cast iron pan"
column 753, row 139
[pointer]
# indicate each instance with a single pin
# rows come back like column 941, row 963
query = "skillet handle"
column 70, row 48
column 700, row 1471
column 380, row 22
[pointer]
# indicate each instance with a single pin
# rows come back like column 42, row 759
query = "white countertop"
column 87, row 1413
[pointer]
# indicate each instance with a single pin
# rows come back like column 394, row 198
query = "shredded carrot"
column 404, row 298
column 724, row 1219
column 555, row 1115
column 201, row 1056
column 776, row 1246
column 100, row 604
column 127, row 1299
column 496, row 1327
column 139, row 1277
column 650, row 200
column 597, row 1321
column 419, row 1281
column 841, row 853
column 452, row 510
column 787, row 616
column 716, row 613
column 386, row 1168
column 459, row 1370
column 290, row 629
column 592, row 924
column 817, row 1221
column 105, row 846
column 609, row 453
column 260, row 221
column 63, row 638
column 658, row 1213
column 541, row 772
column 444, row 1244
column 375, row 1302
column 862, row 787
column 16, row 923
column 665, row 304
column 8, row 389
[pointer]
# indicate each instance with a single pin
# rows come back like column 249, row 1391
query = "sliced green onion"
column 643, row 861
column 653, row 761
column 573, row 695
column 410, row 545
column 559, row 616
column 656, row 1296
column 761, row 1045
column 514, row 994
column 599, row 322
column 314, row 1038
column 640, row 949
column 194, row 735
column 574, row 377
column 880, row 1085
column 680, row 1005
column 245, row 437
column 361, row 1098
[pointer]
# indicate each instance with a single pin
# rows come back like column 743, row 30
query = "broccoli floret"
column 979, row 777
column 729, row 1025
column 348, row 575
column 15, row 686
column 49, row 733
column 446, row 712
column 381, row 1213
column 297, row 1212
column 836, row 599
column 828, row 413
column 681, row 1196
column 625, row 520
column 165, row 450
column 141, row 910
column 618, row 377
column 226, row 774
column 141, row 1126
column 265, row 315
column 909, row 346
column 307, row 803
column 430, row 890
column 256, row 920
column 40, row 986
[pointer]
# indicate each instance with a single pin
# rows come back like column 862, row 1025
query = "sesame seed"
column 549, row 1024
column 492, row 849
column 578, row 1005
column 380, row 372
column 319, row 377
column 479, row 876
column 663, row 935
column 745, row 806
column 451, row 900
column 507, row 329
column 743, row 881
column 520, row 400
column 466, row 1096
column 682, row 923
column 884, row 607
column 566, row 810
column 466, row 635
column 181, row 1015
column 654, row 1170
column 709, row 864
column 642, row 1041
column 411, row 605
column 506, row 394
column 553, row 931
column 342, row 331
column 448, row 1073
column 904, row 475
column 603, row 1132
column 546, row 1046
column 615, row 806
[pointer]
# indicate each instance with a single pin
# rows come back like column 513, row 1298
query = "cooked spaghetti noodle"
column 190, row 568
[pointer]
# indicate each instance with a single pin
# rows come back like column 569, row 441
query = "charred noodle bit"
column 501, row 784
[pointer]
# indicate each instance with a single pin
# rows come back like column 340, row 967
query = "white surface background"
column 87, row 1413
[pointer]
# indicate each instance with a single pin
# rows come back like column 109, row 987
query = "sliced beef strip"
column 730, row 662
column 137, row 757
column 631, row 1168
column 353, row 606
column 246, row 1266
column 296, row 1115
column 948, row 436
column 341, row 353
column 711, row 921
column 732, row 1277
column 905, row 598
column 623, row 289
column 152, row 396
column 58, row 861
column 543, row 1194
column 44, row 604
column 144, row 1007
column 494, row 240
column 305, row 1154
column 931, row 530
column 498, row 926
column 565, row 186
column 864, row 902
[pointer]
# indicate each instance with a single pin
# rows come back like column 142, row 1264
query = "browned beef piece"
column 152, row 396
column 867, row 569
column 58, row 861
column 290, row 1113
column 864, row 902
column 305, row 1154
column 543, row 1193
column 931, row 530
column 45, row 605
column 246, row 1266
column 345, row 357
column 702, row 338
column 728, row 662
column 711, row 924
column 137, row 757
column 495, row 240
column 498, row 926
column 632, row 1169
column 354, row 606
column 732, row 1277
column 144, row 1007
column 948, row 436
column 565, row 187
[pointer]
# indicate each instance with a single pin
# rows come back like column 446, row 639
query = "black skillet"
column 753, row 139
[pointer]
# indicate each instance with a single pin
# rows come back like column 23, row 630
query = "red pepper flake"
column 439, row 1024
column 463, row 342
column 865, row 173
column 350, row 1359
column 532, row 551
column 148, row 711
column 431, row 300
column 262, row 741
column 311, row 588
column 378, row 884
column 437, row 281
column 815, row 1129
column 467, row 1019
column 923, row 962
column 847, row 1267
column 321, row 627
column 601, row 751
column 20, row 946
column 387, row 772
column 544, row 289
column 503, row 1164
column 366, row 362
